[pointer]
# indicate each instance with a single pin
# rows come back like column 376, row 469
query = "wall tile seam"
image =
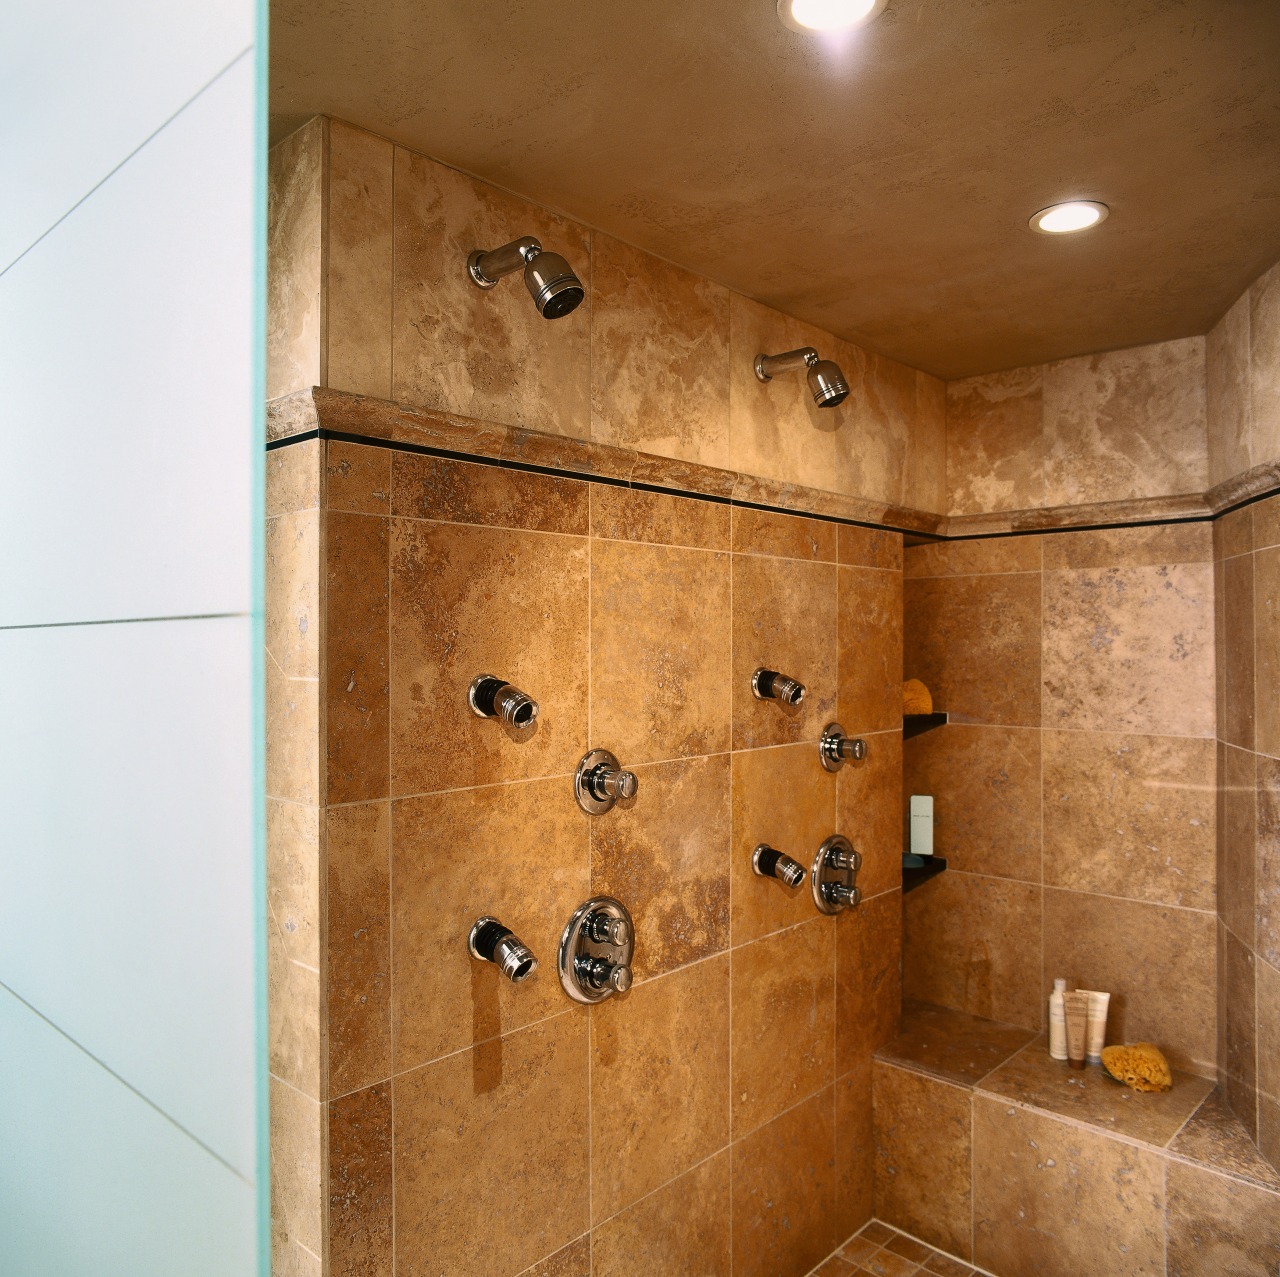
column 1180, row 1159
column 297, row 1090
column 1250, row 946
column 916, row 1071
column 551, row 1254
column 1132, row 900
column 964, row 576
column 1121, row 731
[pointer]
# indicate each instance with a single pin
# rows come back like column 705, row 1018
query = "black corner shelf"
column 914, row 724
column 918, row 869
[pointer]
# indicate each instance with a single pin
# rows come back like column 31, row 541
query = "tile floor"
column 883, row 1251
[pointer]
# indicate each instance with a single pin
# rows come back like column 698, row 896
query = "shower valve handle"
column 835, row 748
column 616, row 784
column 603, row 928
column 600, row 782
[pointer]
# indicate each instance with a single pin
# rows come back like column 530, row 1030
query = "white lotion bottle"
column 1058, row 1021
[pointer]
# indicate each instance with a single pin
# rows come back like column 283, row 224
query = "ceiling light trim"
column 787, row 16
column 1037, row 219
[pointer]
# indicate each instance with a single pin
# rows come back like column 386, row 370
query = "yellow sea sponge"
column 916, row 698
column 1140, row 1066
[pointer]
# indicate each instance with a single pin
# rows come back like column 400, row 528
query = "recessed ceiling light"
column 827, row 15
column 1062, row 219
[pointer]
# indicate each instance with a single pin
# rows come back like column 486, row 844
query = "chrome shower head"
column 826, row 381
column 555, row 289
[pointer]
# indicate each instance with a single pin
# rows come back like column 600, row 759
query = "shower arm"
column 768, row 366
column 487, row 268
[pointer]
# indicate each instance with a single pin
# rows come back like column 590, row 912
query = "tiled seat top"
column 1191, row 1121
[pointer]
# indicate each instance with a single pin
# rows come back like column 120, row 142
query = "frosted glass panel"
column 126, row 906
column 84, row 85
column 128, row 359
column 94, row 1182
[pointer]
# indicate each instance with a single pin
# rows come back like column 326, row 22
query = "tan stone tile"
column 632, row 514
column 974, row 642
column 783, row 995
column 450, row 587
column 359, row 1150
column 982, row 556
column 1216, row 1138
column 869, row 812
column 659, row 651
column 1229, row 410
column 784, row 614
column 908, row 1248
column 877, row 1232
column 870, row 547
column 356, row 657
column 288, row 1259
column 1266, row 602
column 1239, row 1066
column 1237, row 841
column 945, row 1266
column 923, row 1157
column 1264, row 365
column 884, row 1263
column 868, row 978
column 1269, row 1128
column 514, row 852
column 1217, row 1225
column 292, row 736
column 870, row 649
column 297, row 1134
column 1267, row 862
column 358, row 854
column 463, row 492
column 995, row 454
column 1054, row 1198
column 659, row 1082
column 781, row 797
column 875, row 458
column 1233, row 533
column 1237, row 659
column 973, row 943
column 834, row 1267
column 952, row 1045
column 293, row 478
column 786, row 536
column 357, row 478
column 659, row 356
column 524, row 1094
column 985, row 783
column 295, row 174
column 858, row 1249
column 293, row 879
column 573, row 1260
column 486, row 354
column 1130, row 816
column 293, row 1017
column 1157, row 963
column 359, row 256
column 1127, row 423
column 1266, row 523
column 683, row 1227
column 1268, row 993
column 666, row 856
column 1137, row 547
column 776, row 431
column 925, row 483
column 1130, row 649
column 1033, row 1078
column 855, row 1153
column 292, row 589
column 784, row 1185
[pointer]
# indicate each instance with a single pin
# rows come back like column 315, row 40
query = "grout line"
column 732, row 844
column 126, row 620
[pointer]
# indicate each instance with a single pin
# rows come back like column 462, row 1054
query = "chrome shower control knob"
column 600, row 782
column 596, row 949
column 606, row 928
column 835, row 869
column 768, row 862
column 835, row 748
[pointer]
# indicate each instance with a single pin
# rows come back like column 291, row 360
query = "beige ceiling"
column 880, row 188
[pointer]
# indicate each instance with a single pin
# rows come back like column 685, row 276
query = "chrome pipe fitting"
column 835, row 748
column 491, row 697
column 827, row 383
column 770, row 685
column 600, row 782
column 490, row 941
column 771, row 863
column 833, row 879
column 555, row 289
column 596, row 948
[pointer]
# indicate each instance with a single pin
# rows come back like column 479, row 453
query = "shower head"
column 555, row 289
column 826, row 381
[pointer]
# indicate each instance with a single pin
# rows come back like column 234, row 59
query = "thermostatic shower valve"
column 596, row 949
column 835, row 871
column 835, row 748
column 600, row 781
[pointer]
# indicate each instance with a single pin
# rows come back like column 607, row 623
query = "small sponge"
column 916, row 698
column 1140, row 1066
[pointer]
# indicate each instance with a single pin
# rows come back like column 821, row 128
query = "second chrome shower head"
column 826, row 381
column 555, row 289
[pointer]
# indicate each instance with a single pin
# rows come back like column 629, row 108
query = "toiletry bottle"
column 1058, row 1021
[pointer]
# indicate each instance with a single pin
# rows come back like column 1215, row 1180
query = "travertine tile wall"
column 370, row 294
column 1247, row 566
column 1074, row 786
column 722, row 1107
